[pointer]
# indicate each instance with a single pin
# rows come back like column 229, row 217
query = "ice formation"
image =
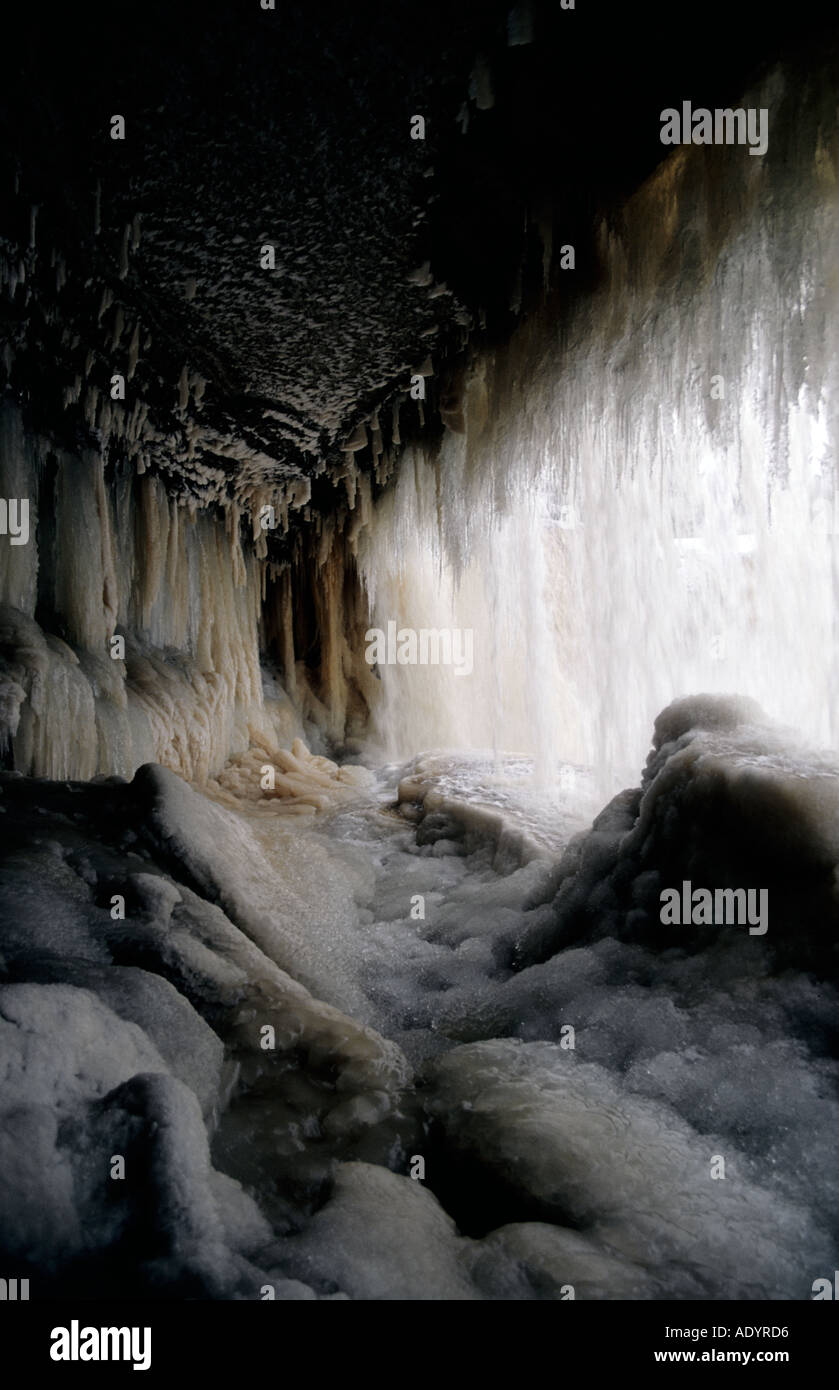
column 612, row 528
column 639, row 478
column 283, row 1158
column 268, row 979
column 291, row 780
column 129, row 563
column 131, row 631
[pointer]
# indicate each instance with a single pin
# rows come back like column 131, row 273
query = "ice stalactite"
column 313, row 623
column 132, row 629
column 182, row 682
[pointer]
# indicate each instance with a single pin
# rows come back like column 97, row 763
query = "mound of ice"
column 566, row 1137
column 383, row 1236
column 294, row 781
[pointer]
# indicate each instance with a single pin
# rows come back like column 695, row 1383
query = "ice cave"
column 419, row 677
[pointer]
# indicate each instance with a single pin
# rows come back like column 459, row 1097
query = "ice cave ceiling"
column 292, row 129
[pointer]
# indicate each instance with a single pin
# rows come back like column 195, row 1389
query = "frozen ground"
column 294, row 1011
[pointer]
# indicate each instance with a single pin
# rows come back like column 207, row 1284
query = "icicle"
column 123, row 257
column 357, row 440
column 133, row 351
column 350, row 479
column 301, row 493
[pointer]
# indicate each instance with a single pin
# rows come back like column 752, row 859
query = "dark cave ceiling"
column 291, row 127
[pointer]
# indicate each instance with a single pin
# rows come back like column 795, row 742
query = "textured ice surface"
column 691, row 1044
column 384, row 1236
column 418, row 973
column 576, row 1148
